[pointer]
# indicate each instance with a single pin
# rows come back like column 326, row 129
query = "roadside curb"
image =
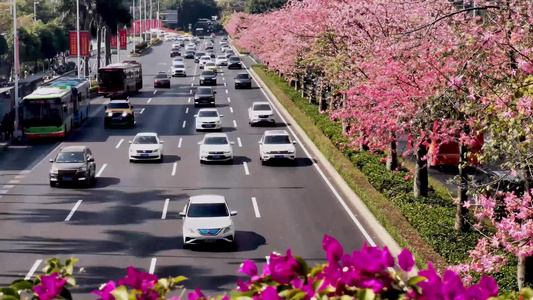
column 356, row 205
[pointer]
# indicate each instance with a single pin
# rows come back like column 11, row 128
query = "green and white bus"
column 48, row 112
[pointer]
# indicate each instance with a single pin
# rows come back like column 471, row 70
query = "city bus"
column 48, row 112
column 120, row 79
column 80, row 94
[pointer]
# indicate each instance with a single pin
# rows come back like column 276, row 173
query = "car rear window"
column 211, row 210
column 277, row 139
column 242, row 76
column 204, row 91
column 216, row 140
column 262, row 107
column 161, row 76
column 209, row 113
column 234, row 59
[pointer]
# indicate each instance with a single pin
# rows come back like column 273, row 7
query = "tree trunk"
column 421, row 172
column 98, row 49
column 107, row 46
column 525, row 271
column 461, row 213
column 392, row 158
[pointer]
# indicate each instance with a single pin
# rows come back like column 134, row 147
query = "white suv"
column 216, row 147
column 207, row 218
column 260, row 112
column 178, row 69
column 276, row 144
column 208, row 118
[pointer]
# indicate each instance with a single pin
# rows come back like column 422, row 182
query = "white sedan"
column 261, row 112
column 221, row 60
column 207, row 218
column 276, row 144
column 216, row 147
column 168, row 38
column 208, row 118
column 146, row 146
column 203, row 60
column 176, row 45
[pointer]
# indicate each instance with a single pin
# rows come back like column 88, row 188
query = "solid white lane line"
column 229, row 100
column 174, row 169
column 227, row 92
column 73, row 210
column 225, row 84
column 246, row 171
column 8, row 186
column 152, row 265
column 119, row 143
column 155, row 92
column 101, row 170
column 239, row 142
column 256, row 208
column 234, row 123
column 165, row 208
column 179, row 143
column 184, row 123
column 187, row 110
column 3, row 191
column 191, row 92
column 192, row 83
column 149, row 100
column 231, row 109
column 189, row 101
column 328, row 183
column 142, row 110
column 14, row 181
column 33, row 269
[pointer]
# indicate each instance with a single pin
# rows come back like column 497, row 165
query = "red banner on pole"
column 73, row 43
column 137, row 27
column 160, row 23
column 84, row 43
column 123, row 34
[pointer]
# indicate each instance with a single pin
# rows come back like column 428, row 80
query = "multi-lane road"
column 131, row 216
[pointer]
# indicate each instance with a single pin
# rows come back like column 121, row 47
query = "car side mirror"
column 182, row 214
column 132, row 107
column 294, row 142
column 51, row 160
column 90, row 160
column 199, row 143
column 196, row 116
column 214, row 92
column 260, row 143
column 221, row 116
column 105, row 107
column 232, row 143
column 65, row 108
column 129, row 142
column 233, row 213
column 161, row 142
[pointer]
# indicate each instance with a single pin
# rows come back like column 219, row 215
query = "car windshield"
column 118, row 105
column 204, row 91
column 221, row 57
column 242, row 76
column 210, row 64
column 234, row 59
column 200, row 54
column 216, row 140
column 211, row 210
column 209, row 113
column 190, row 52
column 262, row 107
column 277, row 139
column 70, row 157
column 209, row 72
column 161, row 76
column 206, row 57
column 145, row 139
column 179, row 66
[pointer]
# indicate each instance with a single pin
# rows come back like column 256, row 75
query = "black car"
column 208, row 77
column 175, row 52
column 204, row 95
column 212, row 54
column 229, row 53
column 234, row 62
column 243, row 80
column 73, row 164
column 197, row 56
column 189, row 54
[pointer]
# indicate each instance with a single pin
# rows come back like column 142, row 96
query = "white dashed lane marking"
column 33, row 269
column 187, row 110
column 184, row 124
column 179, row 143
column 101, row 170
column 119, row 143
column 142, row 110
column 231, row 109
column 149, row 100
column 174, row 166
column 239, row 142
column 229, row 100
column 246, row 171
column 256, row 208
column 234, row 123
column 152, row 265
column 73, row 210
column 165, row 208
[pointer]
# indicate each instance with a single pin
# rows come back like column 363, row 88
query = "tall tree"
column 191, row 10
column 263, row 6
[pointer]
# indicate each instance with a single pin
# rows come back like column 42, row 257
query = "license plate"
column 117, row 119
column 144, row 155
column 209, row 125
column 279, row 156
column 216, row 156
column 67, row 178
column 209, row 241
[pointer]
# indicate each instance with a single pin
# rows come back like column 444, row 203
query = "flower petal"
column 405, row 260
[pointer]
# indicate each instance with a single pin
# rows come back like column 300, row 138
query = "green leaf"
column 120, row 293
column 414, row 280
column 22, row 285
column 366, row 294
column 317, row 284
column 71, row 281
column 299, row 295
column 178, row 279
column 9, row 298
column 315, row 270
column 65, row 294
column 303, row 266
column 163, row 282
column 9, row 292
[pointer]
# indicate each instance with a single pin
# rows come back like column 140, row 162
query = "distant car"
column 190, row 47
column 146, row 146
column 207, row 218
column 208, row 46
column 198, row 55
column 73, row 164
column 203, row 60
column 178, row 69
column 229, row 53
column 178, row 59
column 243, row 80
column 208, row 78
column 223, row 43
column 175, row 52
column 208, row 119
column 161, row 80
column 224, row 49
column 168, row 38
column 205, row 96
column 261, row 112
column 234, row 62
column 119, row 112
column 176, row 45
column 189, row 54
column 213, row 35
column 211, row 53
column 210, row 66
column 276, row 144
column 216, row 147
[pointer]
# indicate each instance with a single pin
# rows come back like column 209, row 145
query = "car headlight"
column 110, row 114
column 124, row 114
column 189, row 230
column 291, row 151
column 53, row 171
column 82, row 169
column 226, row 229
column 227, row 152
column 132, row 151
column 156, row 150
column 204, row 152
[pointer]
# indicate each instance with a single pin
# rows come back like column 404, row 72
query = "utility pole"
column 145, row 18
column 134, row 27
column 151, row 23
column 118, row 44
column 35, row 10
column 78, row 35
column 158, row 15
column 17, row 67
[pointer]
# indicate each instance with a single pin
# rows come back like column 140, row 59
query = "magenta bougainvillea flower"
column 51, row 287
column 105, row 292
column 197, row 294
column 138, row 280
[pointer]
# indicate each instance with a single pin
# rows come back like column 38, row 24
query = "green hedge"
column 433, row 217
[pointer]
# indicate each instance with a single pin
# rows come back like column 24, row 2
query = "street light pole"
column 35, row 10
column 17, row 67
column 118, row 44
column 151, row 23
column 145, row 18
column 78, row 35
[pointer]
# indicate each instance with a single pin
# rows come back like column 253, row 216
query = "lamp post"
column 78, row 35
column 17, row 67
column 35, row 10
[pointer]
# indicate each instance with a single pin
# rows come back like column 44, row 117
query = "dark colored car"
column 189, row 54
column 161, row 80
column 229, row 53
column 208, row 46
column 234, row 62
column 204, row 95
column 73, row 164
column 175, row 52
column 197, row 56
column 243, row 80
column 208, row 77
column 212, row 54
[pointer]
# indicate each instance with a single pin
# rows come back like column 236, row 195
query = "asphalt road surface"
column 121, row 221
